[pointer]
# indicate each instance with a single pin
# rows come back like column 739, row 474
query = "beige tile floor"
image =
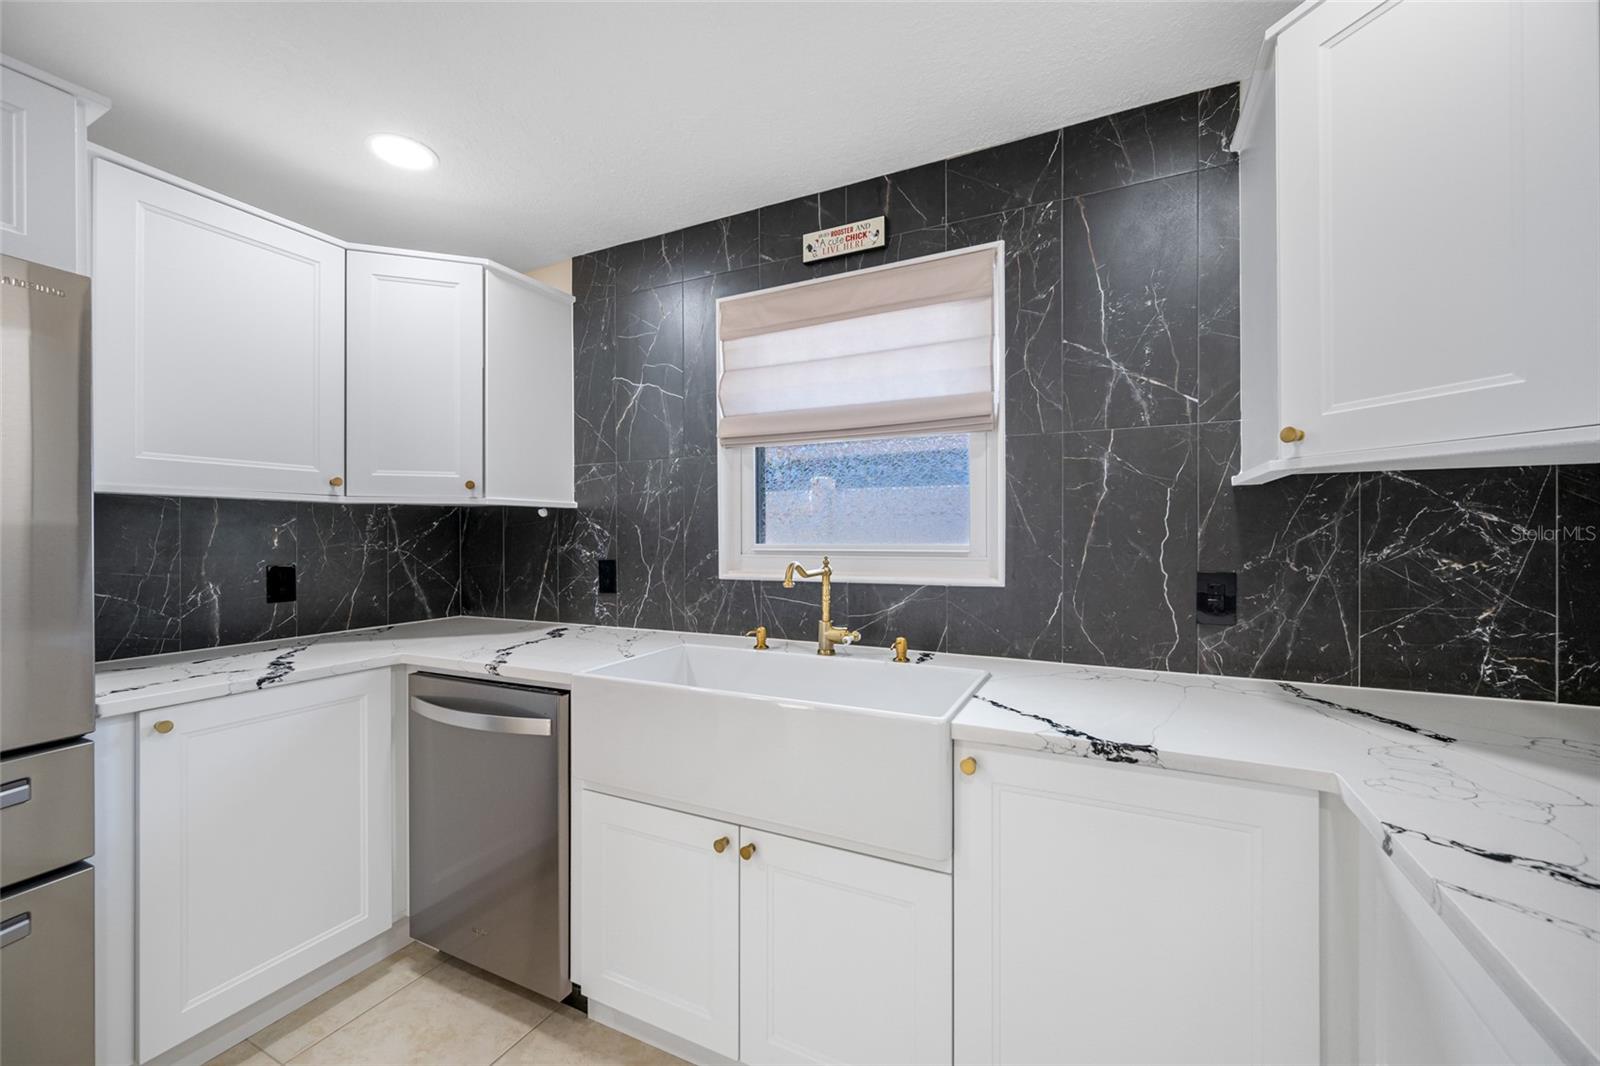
column 419, row 1007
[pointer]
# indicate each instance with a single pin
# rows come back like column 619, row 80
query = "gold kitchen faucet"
column 828, row 634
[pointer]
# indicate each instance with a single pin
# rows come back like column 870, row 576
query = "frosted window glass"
column 894, row 490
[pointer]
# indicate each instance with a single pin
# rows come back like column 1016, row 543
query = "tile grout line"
column 1556, row 659
column 534, row 1028
column 438, row 956
column 251, row 1041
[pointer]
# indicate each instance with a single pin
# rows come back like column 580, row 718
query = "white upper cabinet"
column 415, row 375
column 527, row 392
column 240, row 354
column 43, row 179
column 1420, row 202
column 1108, row 914
column 218, row 346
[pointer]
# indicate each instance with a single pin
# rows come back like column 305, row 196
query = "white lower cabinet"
column 760, row 947
column 1112, row 914
column 843, row 958
column 1423, row 998
column 661, row 918
column 264, row 829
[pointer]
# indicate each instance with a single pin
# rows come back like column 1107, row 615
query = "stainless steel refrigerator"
column 46, row 670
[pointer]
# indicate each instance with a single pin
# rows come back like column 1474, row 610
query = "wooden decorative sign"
column 842, row 240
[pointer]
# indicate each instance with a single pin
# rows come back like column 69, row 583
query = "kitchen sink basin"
column 842, row 750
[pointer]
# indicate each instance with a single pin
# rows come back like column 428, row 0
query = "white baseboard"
column 202, row 1047
column 655, row 1037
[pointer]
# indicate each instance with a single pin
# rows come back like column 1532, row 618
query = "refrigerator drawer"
column 46, row 810
column 47, row 971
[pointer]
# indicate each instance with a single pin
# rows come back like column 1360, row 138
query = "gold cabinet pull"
column 747, row 852
column 471, row 485
column 163, row 726
column 1291, row 435
column 760, row 633
column 720, row 845
column 336, row 481
column 969, row 766
column 900, row 647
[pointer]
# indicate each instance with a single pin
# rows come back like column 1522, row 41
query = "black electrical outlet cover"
column 608, row 577
column 1216, row 600
column 280, row 584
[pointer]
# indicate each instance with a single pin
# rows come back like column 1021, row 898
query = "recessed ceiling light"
column 402, row 152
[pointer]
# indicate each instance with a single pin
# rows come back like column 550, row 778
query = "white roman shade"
column 908, row 348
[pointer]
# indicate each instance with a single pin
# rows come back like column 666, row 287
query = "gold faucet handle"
column 900, row 648
column 760, row 633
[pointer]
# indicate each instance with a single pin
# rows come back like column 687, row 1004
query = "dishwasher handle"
column 483, row 723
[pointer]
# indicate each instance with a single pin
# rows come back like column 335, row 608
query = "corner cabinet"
column 1420, row 238
column 1109, row 914
column 760, row 947
column 218, row 346
column 240, row 354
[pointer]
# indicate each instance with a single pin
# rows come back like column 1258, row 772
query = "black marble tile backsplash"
column 177, row 574
column 1122, row 435
column 1122, row 408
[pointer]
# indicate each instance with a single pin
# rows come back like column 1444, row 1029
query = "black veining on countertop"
column 1558, row 870
column 1301, row 694
column 502, row 655
column 1109, row 750
column 280, row 666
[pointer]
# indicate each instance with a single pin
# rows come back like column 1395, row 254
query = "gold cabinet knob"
column 747, row 851
column 1290, row 435
column 336, row 481
column 163, row 726
column 471, row 485
column 969, row 766
column 720, row 845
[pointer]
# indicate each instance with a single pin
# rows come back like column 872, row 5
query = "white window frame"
column 981, row 562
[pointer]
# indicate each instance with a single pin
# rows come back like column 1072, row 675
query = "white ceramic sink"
column 882, row 686
column 839, row 749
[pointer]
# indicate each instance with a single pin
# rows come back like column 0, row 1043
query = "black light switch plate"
column 280, row 584
column 608, row 577
column 1216, row 601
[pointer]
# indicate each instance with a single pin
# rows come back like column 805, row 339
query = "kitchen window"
column 860, row 417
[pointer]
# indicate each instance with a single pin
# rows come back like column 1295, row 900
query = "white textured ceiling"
column 566, row 127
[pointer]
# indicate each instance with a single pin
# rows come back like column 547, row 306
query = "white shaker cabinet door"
column 1119, row 915
column 1438, row 222
column 218, row 346
column 39, row 152
column 527, row 393
column 660, row 913
column 265, row 824
column 415, row 356
column 844, row 958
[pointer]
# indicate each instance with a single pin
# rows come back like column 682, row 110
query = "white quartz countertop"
column 1491, row 808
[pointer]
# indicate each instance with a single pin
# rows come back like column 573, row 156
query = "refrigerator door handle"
column 483, row 723
column 16, row 928
column 16, row 792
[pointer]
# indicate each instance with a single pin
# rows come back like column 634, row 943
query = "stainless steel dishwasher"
column 489, row 870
